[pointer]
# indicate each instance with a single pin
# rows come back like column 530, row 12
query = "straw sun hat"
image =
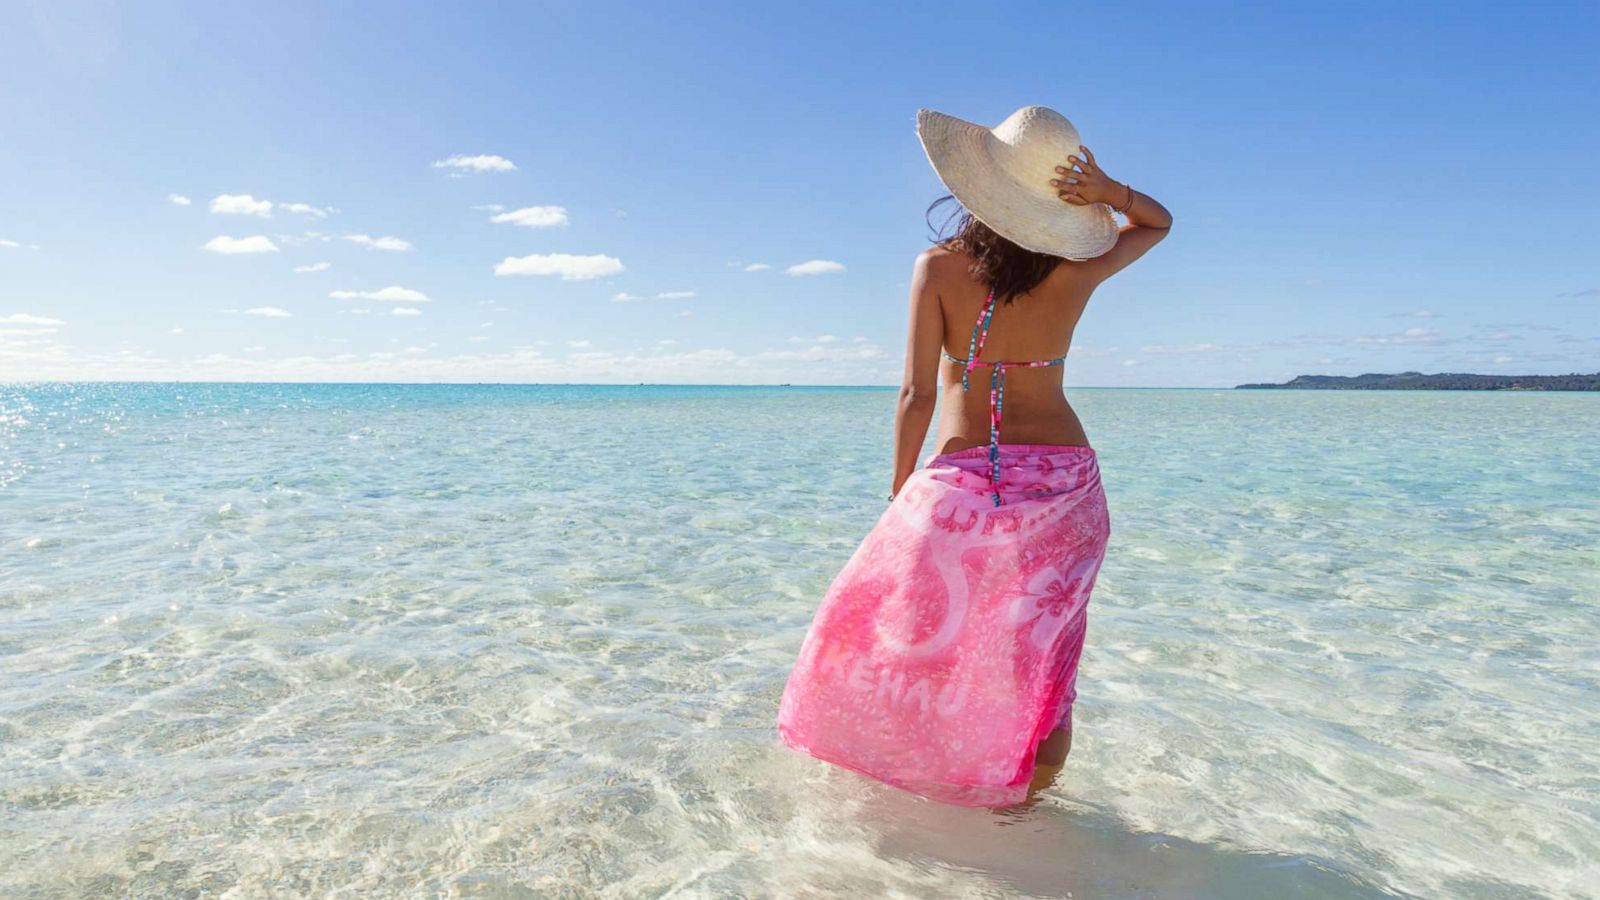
column 1002, row 176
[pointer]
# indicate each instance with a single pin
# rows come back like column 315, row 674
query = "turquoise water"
column 529, row 641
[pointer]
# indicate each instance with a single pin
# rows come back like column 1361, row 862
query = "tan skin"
column 945, row 301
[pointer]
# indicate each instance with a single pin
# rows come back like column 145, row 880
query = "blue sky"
column 1357, row 187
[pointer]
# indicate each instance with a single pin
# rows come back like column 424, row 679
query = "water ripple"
column 529, row 641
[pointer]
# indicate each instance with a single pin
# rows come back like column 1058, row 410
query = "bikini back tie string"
column 997, row 384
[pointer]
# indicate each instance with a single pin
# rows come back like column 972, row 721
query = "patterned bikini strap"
column 980, row 333
column 997, row 386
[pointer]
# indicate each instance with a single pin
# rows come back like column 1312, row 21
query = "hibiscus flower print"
column 1050, row 598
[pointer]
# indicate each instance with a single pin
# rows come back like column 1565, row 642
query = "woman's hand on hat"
column 1082, row 182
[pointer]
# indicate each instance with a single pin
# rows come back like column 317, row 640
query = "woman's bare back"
column 1037, row 325
column 946, row 297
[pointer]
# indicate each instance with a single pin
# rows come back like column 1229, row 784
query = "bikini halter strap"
column 997, row 385
column 980, row 333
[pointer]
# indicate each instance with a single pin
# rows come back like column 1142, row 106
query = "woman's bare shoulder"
column 942, row 262
column 1072, row 275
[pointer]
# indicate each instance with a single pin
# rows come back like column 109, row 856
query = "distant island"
column 1443, row 381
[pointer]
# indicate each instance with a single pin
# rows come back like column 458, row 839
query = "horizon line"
column 1281, row 386
column 761, row 384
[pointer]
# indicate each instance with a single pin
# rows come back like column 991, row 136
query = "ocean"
column 528, row 641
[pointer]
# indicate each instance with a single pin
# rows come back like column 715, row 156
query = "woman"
column 943, row 659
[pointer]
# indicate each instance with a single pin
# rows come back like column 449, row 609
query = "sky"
column 734, row 192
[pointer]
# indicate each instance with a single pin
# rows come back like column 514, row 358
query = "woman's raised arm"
column 1081, row 181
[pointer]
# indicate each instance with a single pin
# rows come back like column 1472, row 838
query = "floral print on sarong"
column 947, row 647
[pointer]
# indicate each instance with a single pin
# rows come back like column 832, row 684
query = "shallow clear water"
column 529, row 641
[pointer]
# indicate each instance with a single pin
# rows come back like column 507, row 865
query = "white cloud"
column 29, row 319
column 757, row 267
column 578, row 344
column 480, row 163
column 257, row 243
column 314, row 267
column 821, row 353
column 523, row 363
column 271, row 312
column 1503, row 359
column 178, row 200
column 489, row 207
column 241, row 205
column 405, row 311
column 565, row 265
column 306, row 209
column 393, row 292
column 1169, row 349
column 533, row 217
column 392, row 244
column 36, row 334
column 1414, row 314
column 178, row 330
column 815, row 267
column 1409, row 336
column 625, row 297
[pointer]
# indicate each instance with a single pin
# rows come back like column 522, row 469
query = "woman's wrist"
column 1122, row 198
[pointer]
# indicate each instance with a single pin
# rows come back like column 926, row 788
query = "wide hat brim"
column 966, row 157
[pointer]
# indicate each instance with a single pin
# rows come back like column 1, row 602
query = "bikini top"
column 997, row 384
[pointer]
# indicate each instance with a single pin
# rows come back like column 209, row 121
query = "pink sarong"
column 947, row 647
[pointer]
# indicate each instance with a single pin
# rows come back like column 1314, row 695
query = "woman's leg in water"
column 1051, row 757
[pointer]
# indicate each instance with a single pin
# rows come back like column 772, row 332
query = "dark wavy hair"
column 997, row 263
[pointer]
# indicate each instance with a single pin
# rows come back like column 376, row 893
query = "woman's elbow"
column 913, row 396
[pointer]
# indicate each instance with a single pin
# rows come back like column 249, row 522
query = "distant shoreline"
column 1442, row 381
